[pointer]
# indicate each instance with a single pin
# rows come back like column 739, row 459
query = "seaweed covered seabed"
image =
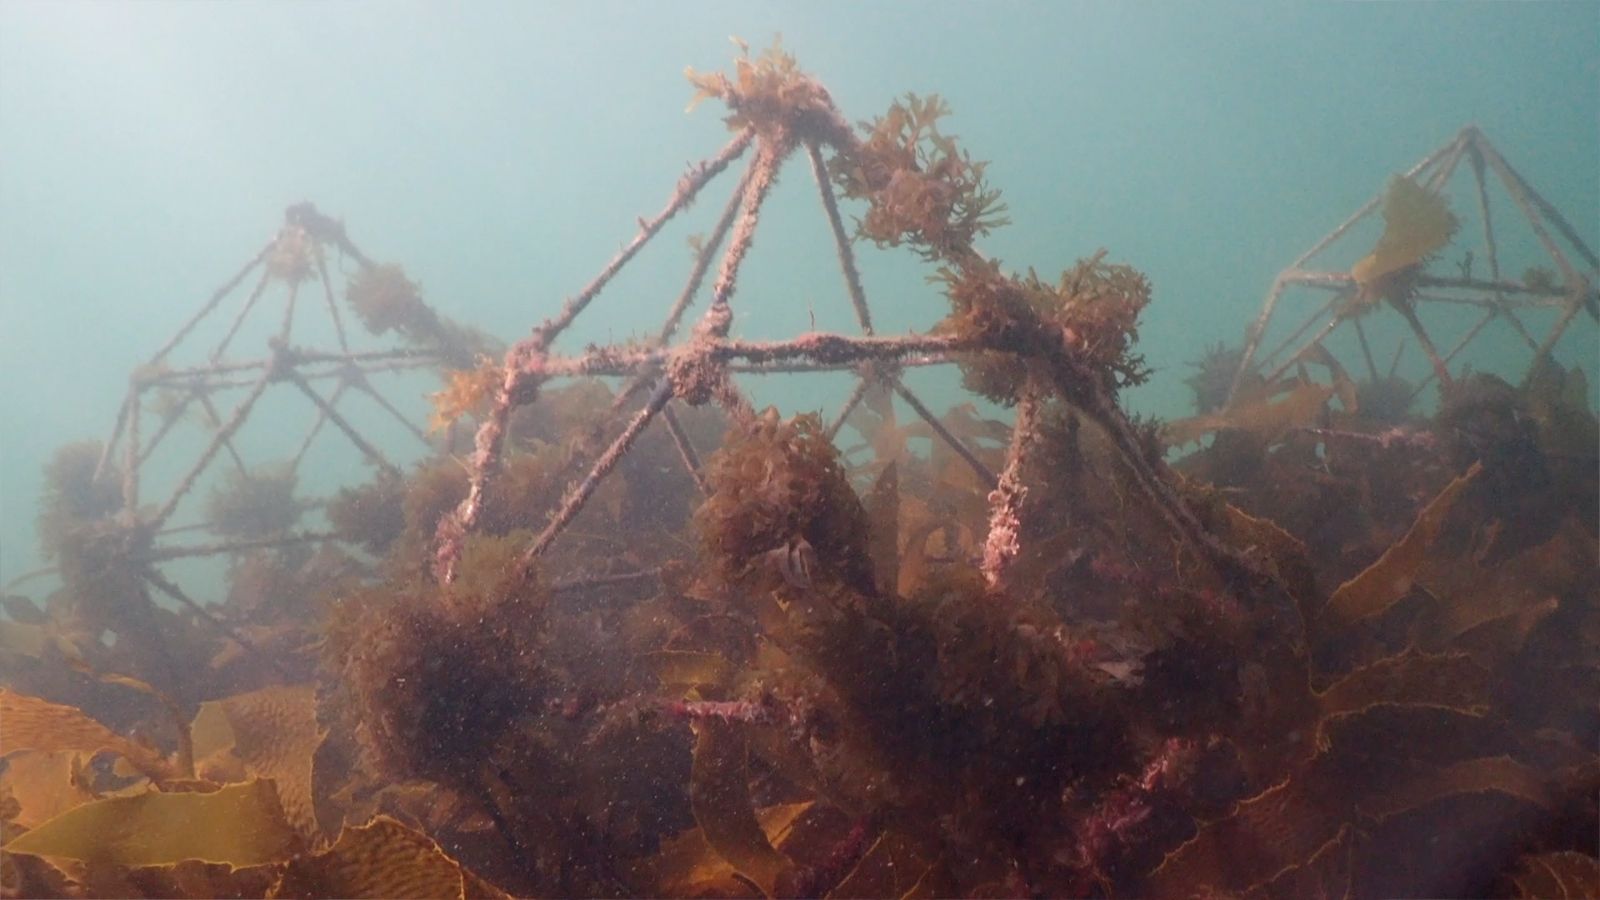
column 644, row 639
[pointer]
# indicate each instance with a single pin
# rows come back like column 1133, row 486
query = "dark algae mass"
column 622, row 632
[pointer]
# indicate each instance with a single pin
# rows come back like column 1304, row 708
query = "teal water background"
column 501, row 152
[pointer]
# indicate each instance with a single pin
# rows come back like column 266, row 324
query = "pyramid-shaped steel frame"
column 877, row 360
column 1489, row 298
column 697, row 370
column 294, row 259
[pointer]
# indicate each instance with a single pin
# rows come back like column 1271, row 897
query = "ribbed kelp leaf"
column 1558, row 402
column 22, row 639
column 1499, row 774
column 274, row 732
column 1042, row 556
column 1449, row 680
column 934, row 883
column 1386, row 581
column 1490, row 610
column 1382, row 760
column 687, row 668
column 239, row 825
column 892, row 867
column 1328, row 873
column 688, row 867
column 918, row 524
column 1268, row 834
column 45, row 784
column 1266, row 415
column 33, row 876
column 382, row 859
column 197, row 879
column 1557, row 876
column 883, row 528
column 29, row 634
column 184, row 764
column 1287, row 553
column 29, row 723
column 1416, row 223
column 719, row 792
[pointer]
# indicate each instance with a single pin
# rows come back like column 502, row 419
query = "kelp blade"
column 240, row 825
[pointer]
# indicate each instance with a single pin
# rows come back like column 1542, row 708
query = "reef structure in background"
column 960, row 656
column 185, row 409
column 1406, row 272
column 1018, row 340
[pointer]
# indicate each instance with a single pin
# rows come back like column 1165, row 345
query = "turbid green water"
column 500, row 152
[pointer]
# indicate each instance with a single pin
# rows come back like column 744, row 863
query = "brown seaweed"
column 1338, row 649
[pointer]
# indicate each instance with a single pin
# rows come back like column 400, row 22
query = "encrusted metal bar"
column 327, row 293
column 961, row 449
column 1460, row 345
column 313, row 431
column 857, row 394
column 365, row 446
column 221, row 627
column 1491, row 249
column 238, row 320
column 686, row 451
column 1367, row 208
column 216, row 548
column 361, row 384
column 524, row 363
column 1366, row 349
column 841, row 240
column 575, row 499
column 210, row 304
column 110, row 446
column 1005, row 502
column 217, row 440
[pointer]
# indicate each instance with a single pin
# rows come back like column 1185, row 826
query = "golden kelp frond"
column 782, row 669
column 24, row 640
column 1448, row 681
column 1329, row 872
column 882, row 505
column 382, row 859
column 687, row 668
column 1383, row 583
column 687, row 866
column 34, row 724
column 466, row 392
column 720, row 793
column 1416, row 223
column 274, row 732
column 1558, row 402
column 1500, row 774
column 1282, row 551
column 1374, row 767
column 239, row 825
column 45, row 784
column 1490, row 610
column 1557, row 876
column 895, row 866
column 1267, row 415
